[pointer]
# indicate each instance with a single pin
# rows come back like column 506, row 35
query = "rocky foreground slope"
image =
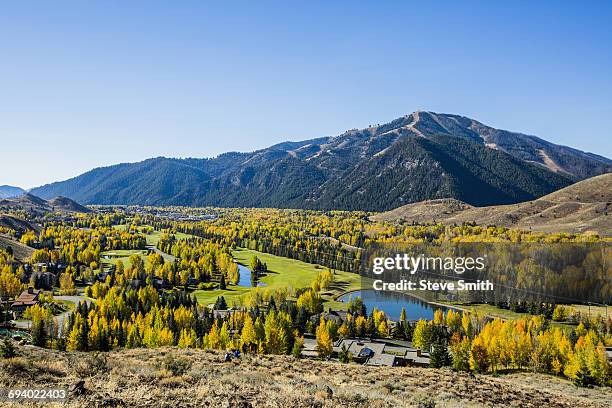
column 198, row 378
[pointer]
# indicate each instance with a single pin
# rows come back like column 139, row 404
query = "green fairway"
column 282, row 272
column 153, row 237
column 119, row 254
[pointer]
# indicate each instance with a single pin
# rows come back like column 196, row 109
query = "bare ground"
column 197, row 378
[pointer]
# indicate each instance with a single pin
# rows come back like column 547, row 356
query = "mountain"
column 420, row 156
column 30, row 203
column 10, row 191
column 585, row 206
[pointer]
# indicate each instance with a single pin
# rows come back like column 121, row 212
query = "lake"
column 245, row 277
column 392, row 303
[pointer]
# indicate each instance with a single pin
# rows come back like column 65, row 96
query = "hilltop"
column 35, row 205
column 585, row 206
column 66, row 204
column 171, row 377
column 421, row 156
column 10, row 191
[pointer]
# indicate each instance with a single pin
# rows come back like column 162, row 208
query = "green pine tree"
column 7, row 350
column 439, row 355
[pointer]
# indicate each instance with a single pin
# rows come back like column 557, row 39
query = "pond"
column 392, row 303
column 245, row 277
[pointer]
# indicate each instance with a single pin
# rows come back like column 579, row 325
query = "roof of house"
column 381, row 360
column 27, row 298
column 413, row 356
column 355, row 347
column 310, row 344
column 310, row 353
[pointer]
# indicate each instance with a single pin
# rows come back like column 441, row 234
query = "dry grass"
column 195, row 378
column 580, row 208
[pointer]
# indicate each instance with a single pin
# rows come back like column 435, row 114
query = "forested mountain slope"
column 417, row 157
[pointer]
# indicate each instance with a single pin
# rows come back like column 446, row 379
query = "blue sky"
column 86, row 84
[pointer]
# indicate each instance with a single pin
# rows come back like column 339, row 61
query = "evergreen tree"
column 371, row 328
column 220, row 304
column 39, row 333
column 7, row 350
column 222, row 284
column 439, row 355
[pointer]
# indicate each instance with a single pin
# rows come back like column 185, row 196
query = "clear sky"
column 86, row 84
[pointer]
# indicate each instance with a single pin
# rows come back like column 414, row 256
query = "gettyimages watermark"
column 491, row 272
column 420, row 264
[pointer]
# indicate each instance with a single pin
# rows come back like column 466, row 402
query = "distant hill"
column 582, row 207
column 66, row 204
column 421, row 156
column 36, row 205
column 10, row 191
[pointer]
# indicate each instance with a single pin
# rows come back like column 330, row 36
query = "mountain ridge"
column 419, row 156
column 31, row 203
column 583, row 207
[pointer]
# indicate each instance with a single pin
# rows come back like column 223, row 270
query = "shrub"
column 176, row 365
column 91, row 364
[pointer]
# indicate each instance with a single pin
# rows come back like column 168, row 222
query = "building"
column 416, row 358
column 382, row 360
column 44, row 280
column 336, row 316
column 361, row 350
column 26, row 299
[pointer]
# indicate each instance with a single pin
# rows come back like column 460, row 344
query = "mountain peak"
column 419, row 156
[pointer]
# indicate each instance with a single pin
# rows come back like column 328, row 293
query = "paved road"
column 167, row 257
column 63, row 316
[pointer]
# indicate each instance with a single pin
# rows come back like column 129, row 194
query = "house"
column 360, row 350
column 609, row 353
column 310, row 348
column 102, row 276
column 337, row 316
column 40, row 267
column 416, row 358
column 43, row 279
column 382, row 360
column 26, row 299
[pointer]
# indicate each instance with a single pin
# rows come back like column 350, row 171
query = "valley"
column 286, row 286
column 306, row 204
